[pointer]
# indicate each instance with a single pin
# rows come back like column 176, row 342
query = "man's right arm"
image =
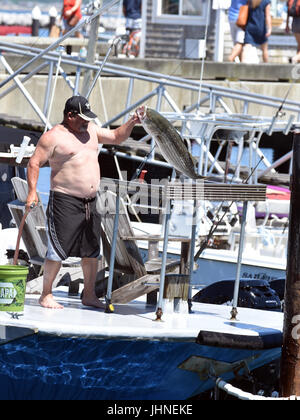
column 38, row 159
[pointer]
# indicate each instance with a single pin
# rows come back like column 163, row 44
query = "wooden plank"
column 34, row 239
column 35, row 286
column 176, row 286
column 21, row 190
column 154, row 266
column 136, row 288
column 127, row 252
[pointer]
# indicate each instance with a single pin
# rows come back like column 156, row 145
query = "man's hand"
column 135, row 117
column 32, row 201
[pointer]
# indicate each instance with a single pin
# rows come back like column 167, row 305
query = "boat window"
column 184, row 12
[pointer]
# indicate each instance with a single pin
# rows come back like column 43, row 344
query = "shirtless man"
column 73, row 222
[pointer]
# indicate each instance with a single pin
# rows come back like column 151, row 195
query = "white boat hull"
column 88, row 354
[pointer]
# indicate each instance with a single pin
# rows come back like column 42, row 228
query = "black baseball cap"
column 81, row 106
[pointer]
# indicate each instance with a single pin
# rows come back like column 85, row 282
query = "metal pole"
column 129, row 97
column 24, row 79
column 24, row 91
column 61, row 50
column 192, row 252
column 62, row 38
column 90, row 59
column 113, row 44
column 290, row 359
column 77, row 80
column 239, row 263
column 109, row 307
column 48, row 87
column 159, row 310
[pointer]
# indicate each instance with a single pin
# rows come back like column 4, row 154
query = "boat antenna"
column 143, row 163
column 279, row 112
column 60, row 50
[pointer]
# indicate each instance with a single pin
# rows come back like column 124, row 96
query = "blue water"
column 53, row 368
column 57, row 368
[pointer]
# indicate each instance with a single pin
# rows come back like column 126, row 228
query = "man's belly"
column 84, row 184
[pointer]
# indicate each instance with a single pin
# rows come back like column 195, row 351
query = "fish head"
column 147, row 114
column 142, row 113
column 146, row 119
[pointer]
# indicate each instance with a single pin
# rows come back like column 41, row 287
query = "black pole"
column 290, row 360
column 35, row 26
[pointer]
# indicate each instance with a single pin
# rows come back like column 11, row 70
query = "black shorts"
column 74, row 226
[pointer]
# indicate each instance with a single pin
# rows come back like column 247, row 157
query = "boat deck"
column 136, row 320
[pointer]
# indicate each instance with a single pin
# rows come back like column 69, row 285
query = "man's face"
column 77, row 124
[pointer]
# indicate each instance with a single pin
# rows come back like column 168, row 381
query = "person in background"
column 237, row 34
column 71, row 15
column 132, row 10
column 259, row 26
column 296, row 32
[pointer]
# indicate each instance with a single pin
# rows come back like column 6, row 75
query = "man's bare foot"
column 47, row 301
column 92, row 301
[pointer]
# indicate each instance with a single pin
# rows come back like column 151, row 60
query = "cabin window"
column 183, row 12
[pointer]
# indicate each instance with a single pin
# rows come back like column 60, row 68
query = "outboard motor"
column 255, row 294
column 279, row 286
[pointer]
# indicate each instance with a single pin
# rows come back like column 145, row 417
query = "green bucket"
column 12, row 287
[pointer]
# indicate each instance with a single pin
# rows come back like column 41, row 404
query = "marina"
column 165, row 237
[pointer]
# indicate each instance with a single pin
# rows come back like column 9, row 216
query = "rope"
column 16, row 254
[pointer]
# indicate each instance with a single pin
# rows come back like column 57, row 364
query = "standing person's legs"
column 236, row 52
column 238, row 37
column 51, row 269
column 296, row 58
column 296, row 32
column 90, row 268
column 265, row 52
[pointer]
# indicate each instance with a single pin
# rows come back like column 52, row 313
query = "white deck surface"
column 136, row 320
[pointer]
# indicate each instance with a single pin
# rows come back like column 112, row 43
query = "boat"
column 137, row 352
column 15, row 30
column 79, row 353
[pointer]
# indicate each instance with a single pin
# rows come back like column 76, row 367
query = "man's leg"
column 90, row 268
column 51, row 269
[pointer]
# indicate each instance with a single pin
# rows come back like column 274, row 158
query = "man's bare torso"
column 74, row 161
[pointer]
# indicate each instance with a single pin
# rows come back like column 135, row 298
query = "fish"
column 169, row 141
